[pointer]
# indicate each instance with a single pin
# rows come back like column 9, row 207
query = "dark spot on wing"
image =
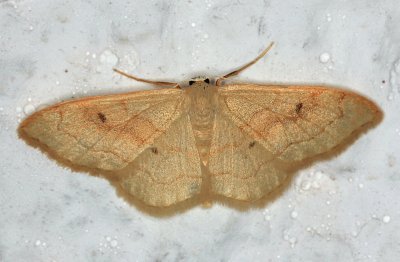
column 299, row 106
column 154, row 150
column 102, row 117
column 252, row 144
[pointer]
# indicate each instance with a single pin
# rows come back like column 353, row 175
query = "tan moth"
column 168, row 145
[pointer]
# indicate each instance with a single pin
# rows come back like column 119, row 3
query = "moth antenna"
column 238, row 71
column 158, row 83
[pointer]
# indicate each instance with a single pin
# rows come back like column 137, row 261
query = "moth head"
column 199, row 79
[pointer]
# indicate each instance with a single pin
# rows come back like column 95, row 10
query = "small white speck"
column 324, row 58
column 18, row 109
column 267, row 215
column 205, row 36
column 316, row 184
column 193, row 24
column 108, row 239
column 294, row 214
column 328, row 17
column 386, row 219
column 29, row 109
column 37, row 243
column 109, row 58
column 361, row 185
column 292, row 241
column 305, row 185
column 114, row 243
column 57, row 82
column 286, row 237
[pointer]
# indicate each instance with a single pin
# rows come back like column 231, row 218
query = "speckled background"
column 342, row 209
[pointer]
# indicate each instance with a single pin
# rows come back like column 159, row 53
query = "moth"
column 167, row 145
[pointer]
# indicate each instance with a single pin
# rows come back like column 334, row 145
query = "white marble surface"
column 343, row 209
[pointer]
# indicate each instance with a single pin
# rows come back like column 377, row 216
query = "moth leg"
column 158, row 83
column 238, row 71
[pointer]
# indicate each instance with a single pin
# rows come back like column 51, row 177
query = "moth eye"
column 207, row 80
column 191, row 82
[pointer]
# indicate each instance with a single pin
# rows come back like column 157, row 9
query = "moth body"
column 168, row 145
column 202, row 107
